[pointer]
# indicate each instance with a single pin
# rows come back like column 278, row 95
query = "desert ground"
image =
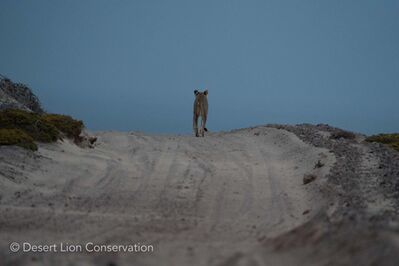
column 230, row 198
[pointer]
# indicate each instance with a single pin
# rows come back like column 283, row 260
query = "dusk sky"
column 133, row 65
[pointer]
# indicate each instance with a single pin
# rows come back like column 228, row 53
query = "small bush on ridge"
column 391, row 140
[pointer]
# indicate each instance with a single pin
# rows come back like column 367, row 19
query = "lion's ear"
column 196, row 92
column 206, row 92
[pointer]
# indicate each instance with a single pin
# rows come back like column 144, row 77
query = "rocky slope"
column 17, row 96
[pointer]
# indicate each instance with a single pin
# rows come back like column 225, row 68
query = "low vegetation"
column 65, row 124
column 23, row 128
column 338, row 134
column 31, row 123
column 17, row 137
column 391, row 140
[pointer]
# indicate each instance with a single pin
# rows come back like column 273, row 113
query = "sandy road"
column 198, row 201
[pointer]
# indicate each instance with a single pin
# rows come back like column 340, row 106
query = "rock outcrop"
column 17, row 96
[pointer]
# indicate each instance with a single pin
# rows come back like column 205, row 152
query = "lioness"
column 200, row 109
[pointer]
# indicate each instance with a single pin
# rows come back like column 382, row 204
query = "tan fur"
column 200, row 110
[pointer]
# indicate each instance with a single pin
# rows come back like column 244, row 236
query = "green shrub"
column 66, row 124
column 43, row 128
column 30, row 123
column 391, row 140
column 17, row 137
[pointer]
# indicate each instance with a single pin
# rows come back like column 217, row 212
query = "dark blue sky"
column 133, row 65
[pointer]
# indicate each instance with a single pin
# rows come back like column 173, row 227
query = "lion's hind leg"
column 195, row 125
